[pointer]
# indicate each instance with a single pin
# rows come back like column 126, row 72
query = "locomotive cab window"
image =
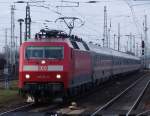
column 44, row 52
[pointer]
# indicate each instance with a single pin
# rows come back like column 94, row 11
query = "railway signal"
column 143, row 46
column 142, row 51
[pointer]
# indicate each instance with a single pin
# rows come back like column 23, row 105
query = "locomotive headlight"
column 43, row 62
column 27, row 76
column 58, row 76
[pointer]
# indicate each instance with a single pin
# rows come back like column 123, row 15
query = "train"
column 57, row 64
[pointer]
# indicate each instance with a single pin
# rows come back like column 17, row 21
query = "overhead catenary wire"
column 39, row 11
column 93, row 24
column 133, row 16
column 141, row 4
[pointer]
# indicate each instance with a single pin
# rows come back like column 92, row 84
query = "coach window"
column 113, row 60
column 95, row 60
column 116, row 61
column 100, row 59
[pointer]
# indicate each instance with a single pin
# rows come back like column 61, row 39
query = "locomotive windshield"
column 44, row 52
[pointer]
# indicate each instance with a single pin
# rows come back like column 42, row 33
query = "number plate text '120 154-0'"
column 43, row 76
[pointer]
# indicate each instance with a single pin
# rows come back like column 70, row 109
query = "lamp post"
column 20, row 23
column 28, row 18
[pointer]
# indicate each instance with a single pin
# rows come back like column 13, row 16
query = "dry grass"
column 12, row 85
column 7, row 96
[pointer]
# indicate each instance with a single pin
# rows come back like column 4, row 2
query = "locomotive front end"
column 43, row 70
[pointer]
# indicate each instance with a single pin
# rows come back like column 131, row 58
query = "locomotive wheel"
column 36, row 100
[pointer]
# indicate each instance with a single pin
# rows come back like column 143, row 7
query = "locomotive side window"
column 48, row 52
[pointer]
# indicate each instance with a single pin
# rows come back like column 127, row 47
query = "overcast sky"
column 129, row 13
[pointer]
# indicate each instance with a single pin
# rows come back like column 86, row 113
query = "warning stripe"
column 36, row 68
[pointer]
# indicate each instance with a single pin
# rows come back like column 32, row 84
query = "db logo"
column 43, row 68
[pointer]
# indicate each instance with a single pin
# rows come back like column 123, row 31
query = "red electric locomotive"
column 49, row 66
column 57, row 64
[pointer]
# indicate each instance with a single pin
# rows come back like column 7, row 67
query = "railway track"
column 2, row 80
column 85, row 109
column 19, row 108
column 31, row 108
column 47, row 109
column 127, row 100
column 11, row 78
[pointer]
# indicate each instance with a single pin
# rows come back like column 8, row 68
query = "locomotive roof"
column 77, row 43
column 92, row 47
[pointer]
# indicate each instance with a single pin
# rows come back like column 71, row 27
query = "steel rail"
column 138, row 99
column 3, row 80
column 142, row 113
column 116, row 97
column 15, row 109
